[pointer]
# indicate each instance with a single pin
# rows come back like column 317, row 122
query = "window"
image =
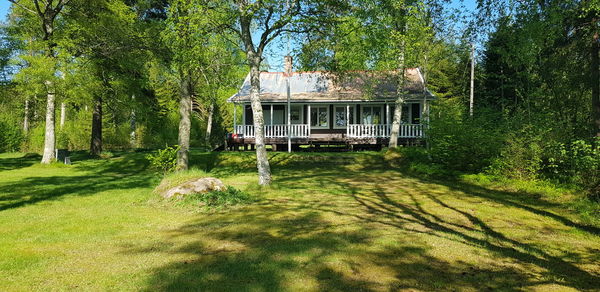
column 405, row 114
column 371, row 115
column 416, row 113
column 319, row 116
column 340, row 116
column 296, row 114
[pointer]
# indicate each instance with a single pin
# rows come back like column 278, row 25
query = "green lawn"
column 331, row 221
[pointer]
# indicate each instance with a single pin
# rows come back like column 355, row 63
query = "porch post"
column 309, row 120
column 347, row 119
column 387, row 113
column 243, row 114
column 271, row 114
column 235, row 118
column 387, row 119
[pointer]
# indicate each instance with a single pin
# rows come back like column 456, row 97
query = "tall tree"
column 106, row 36
column 46, row 12
column 257, row 24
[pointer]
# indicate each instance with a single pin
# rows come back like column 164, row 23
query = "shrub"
column 229, row 197
column 463, row 144
column 577, row 162
column 11, row 136
column 164, row 160
column 520, row 156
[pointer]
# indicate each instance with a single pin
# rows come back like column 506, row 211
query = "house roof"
column 318, row 86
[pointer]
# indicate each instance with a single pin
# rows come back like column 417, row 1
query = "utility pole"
column 472, row 94
column 288, row 69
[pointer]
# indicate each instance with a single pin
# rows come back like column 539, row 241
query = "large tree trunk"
column 49, row 136
column 26, row 117
column 399, row 99
column 96, row 141
column 211, row 111
column 63, row 114
column 185, row 111
column 595, row 82
column 262, row 160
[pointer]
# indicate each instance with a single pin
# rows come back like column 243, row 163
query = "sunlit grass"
column 330, row 221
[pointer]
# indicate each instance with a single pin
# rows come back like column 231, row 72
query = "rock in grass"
column 197, row 186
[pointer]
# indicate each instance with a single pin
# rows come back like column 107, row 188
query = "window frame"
column 352, row 115
column 381, row 113
column 317, row 106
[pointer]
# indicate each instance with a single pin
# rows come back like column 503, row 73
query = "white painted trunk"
column 133, row 127
column 26, row 118
column 211, row 111
column 50, row 138
column 399, row 102
column 63, row 114
column 262, row 160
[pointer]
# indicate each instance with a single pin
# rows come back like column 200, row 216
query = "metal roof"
column 320, row 86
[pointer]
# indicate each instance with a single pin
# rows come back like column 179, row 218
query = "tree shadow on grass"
column 392, row 210
column 19, row 162
column 263, row 250
column 122, row 173
column 292, row 244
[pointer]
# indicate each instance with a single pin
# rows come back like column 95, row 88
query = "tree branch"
column 22, row 6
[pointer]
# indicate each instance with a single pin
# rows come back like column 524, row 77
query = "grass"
column 330, row 221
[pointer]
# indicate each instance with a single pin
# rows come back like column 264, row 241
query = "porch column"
column 235, row 118
column 271, row 114
column 387, row 119
column 347, row 119
column 309, row 120
column 243, row 114
column 387, row 113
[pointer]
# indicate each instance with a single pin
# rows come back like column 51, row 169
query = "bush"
column 11, row 136
column 164, row 160
column 577, row 162
column 520, row 156
column 229, row 197
column 463, row 144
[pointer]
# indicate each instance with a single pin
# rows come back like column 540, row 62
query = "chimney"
column 287, row 66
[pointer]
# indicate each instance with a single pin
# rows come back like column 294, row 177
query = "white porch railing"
column 274, row 131
column 352, row 131
column 384, row 131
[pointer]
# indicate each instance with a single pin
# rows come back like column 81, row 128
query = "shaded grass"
column 331, row 221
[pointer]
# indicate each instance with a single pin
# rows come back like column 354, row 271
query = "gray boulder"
column 197, row 186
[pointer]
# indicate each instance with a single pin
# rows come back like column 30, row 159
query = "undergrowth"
column 217, row 199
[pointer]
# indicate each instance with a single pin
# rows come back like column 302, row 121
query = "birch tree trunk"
column 63, row 114
column 49, row 135
column 132, row 127
column 185, row 111
column 262, row 160
column 26, row 118
column 96, row 141
column 211, row 111
column 595, row 82
column 399, row 98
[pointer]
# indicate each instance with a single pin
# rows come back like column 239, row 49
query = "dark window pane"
column 416, row 113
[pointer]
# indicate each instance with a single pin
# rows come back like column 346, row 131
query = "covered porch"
column 333, row 121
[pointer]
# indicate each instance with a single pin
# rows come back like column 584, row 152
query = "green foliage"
column 463, row 144
column 520, row 156
column 165, row 159
column 11, row 136
column 578, row 162
column 218, row 199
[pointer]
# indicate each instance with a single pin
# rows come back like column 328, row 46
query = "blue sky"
column 4, row 6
